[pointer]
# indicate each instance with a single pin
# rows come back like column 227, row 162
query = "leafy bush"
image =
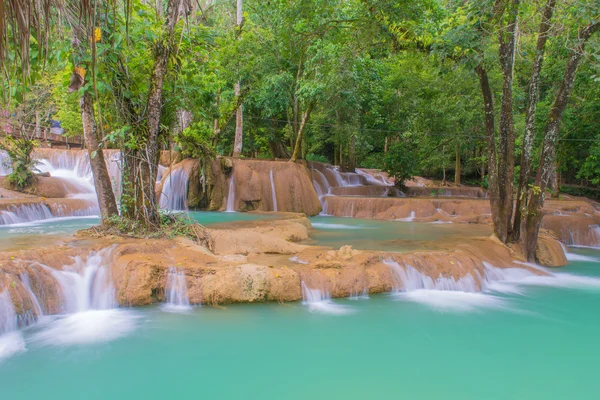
column 19, row 152
column 581, row 191
column 401, row 161
column 317, row 157
column 197, row 141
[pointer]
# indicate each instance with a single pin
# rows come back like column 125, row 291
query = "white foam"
column 579, row 257
column 93, row 326
column 177, row 293
column 319, row 301
column 298, row 260
column 457, row 301
column 11, row 343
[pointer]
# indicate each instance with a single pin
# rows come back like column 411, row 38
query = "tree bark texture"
column 239, row 113
column 532, row 100
column 507, row 40
column 141, row 164
column 301, row 130
column 104, row 191
column 551, row 131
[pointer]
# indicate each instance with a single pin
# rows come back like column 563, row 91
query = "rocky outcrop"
column 254, row 182
column 170, row 157
column 453, row 210
column 49, row 187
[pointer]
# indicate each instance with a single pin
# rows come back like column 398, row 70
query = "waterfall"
column 410, row 218
column 176, row 291
column 160, row 172
column 174, row 191
column 37, row 307
column 319, row 300
column 87, row 285
column 11, row 340
column 231, row 194
column 5, row 168
column 8, row 317
column 410, row 279
column 19, row 214
column 273, row 193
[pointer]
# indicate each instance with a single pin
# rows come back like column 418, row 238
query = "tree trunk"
column 301, row 130
column 555, row 183
column 488, row 104
column 532, row 100
column 443, row 165
column 239, row 114
column 278, row 148
column 385, row 146
column 506, row 144
column 141, row 164
column 457, row 167
column 102, row 183
column 547, row 160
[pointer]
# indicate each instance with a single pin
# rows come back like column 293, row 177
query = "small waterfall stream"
column 87, row 285
column 11, row 340
column 176, row 292
column 273, row 193
column 37, row 307
column 319, row 300
column 231, row 194
column 174, row 191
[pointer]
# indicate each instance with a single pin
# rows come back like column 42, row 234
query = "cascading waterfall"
column 174, row 192
column 176, row 292
column 409, row 279
column 231, row 194
column 87, row 285
column 37, row 306
column 319, row 300
column 441, row 293
column 5, row 168
column 160, row 172
column 11, row 340
column 273, row 193
column 410, row 218
column 19, row 214
column 356, row 180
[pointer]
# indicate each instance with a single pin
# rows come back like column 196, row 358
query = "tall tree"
column 239, row 113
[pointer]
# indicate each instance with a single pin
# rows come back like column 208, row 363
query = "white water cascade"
column 19, row 214
column 73, row 168
column 231, row 195
column 4, row 163
column 176, row 292
column 37, row 306
column 329, row 181
column 87, row 284
column 11, row 340
column 273, row 193
column 174, row 191
column 89, row 306
column 319, row 300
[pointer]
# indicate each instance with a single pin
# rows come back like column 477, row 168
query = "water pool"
column 537, row 342
column 369, row 234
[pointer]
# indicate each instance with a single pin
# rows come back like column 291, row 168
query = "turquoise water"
column 369, row 234
column 52, row 231
column 540, row 342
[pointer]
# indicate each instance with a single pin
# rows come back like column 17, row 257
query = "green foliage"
column 401, row 161
column 318, row 158
column 197, row 141
column 581, row 191
column 21, row 161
